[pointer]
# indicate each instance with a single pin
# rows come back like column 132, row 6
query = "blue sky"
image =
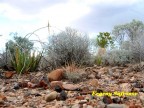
column 90, row 16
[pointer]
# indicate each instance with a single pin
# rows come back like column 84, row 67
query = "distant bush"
column 22, row 43
column 130, row 37
column 67, row 47
column 117, row 57
column 137, row 49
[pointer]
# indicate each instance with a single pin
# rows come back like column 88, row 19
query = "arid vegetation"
column 65, row 72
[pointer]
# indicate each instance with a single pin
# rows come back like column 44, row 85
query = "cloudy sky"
column 90, row 16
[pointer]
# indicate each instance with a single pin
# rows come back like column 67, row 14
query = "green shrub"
column 23, row 61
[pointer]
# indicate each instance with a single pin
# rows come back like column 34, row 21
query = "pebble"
column 116, row 106
column 52, row 96
column 83, row 101
column 63, row 95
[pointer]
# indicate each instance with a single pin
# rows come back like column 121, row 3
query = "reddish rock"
column 44, row 82
column 107, row 100
column 53, row 84
column 2, row 97
column 79, row 97
column 31, row 85
column 70, row 87
column 56, row 75
column 9, row 74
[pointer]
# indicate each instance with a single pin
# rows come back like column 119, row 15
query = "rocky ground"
column 98, row 87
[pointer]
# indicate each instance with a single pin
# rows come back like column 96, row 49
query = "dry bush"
column 137, row 49
column 66, row 47
column 117, row 57
column 5, row 61
column 2, row 59
column 45, row 65
column 129, row 52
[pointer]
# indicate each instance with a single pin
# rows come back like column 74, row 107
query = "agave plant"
column 34, row 61
column 23, row 61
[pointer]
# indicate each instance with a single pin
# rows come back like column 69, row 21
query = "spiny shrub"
column 73, row 73
column 23, row 61
column 73, row 76
column 67, row 47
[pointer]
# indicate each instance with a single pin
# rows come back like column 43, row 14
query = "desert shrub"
column 136, row 48
column 67, row 47
column 117, row 57
column 130, row 37
column 2, row 59
column 5, row 61
column 45, row 65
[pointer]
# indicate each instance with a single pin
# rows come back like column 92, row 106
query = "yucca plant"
column 104, row 39
column 23, row 61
